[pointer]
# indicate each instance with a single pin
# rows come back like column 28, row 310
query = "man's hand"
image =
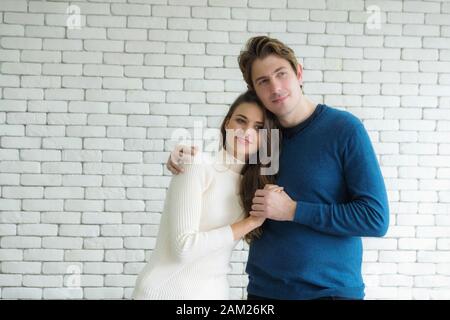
column 273, row 203
column 181, row 154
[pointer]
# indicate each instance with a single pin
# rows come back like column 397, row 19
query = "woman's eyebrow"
column 241, row 115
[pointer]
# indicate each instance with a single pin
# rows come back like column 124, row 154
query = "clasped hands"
column 274, row 203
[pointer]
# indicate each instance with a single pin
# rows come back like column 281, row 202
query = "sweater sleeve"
column 366, row 214
column 184, row 205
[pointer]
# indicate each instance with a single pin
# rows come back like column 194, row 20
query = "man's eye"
column 262, row 82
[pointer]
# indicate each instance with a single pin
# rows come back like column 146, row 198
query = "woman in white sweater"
column 203, row 216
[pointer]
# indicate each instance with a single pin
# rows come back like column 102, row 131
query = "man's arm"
column 367, row 212
column 180, row 155
column 365, row 215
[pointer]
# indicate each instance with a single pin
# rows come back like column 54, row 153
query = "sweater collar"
column 291, row 131
column 228, row 161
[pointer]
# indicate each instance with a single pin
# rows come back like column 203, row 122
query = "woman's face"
column 242, row 130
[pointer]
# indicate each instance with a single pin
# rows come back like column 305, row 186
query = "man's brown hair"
column 259, row 48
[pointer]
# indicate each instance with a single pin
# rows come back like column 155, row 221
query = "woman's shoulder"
column 200, row 166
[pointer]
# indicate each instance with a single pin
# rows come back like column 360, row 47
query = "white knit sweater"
column 195, row 240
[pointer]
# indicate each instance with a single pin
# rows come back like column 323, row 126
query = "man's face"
column 277, row 84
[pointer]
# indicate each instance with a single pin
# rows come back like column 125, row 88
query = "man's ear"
column 300, row 73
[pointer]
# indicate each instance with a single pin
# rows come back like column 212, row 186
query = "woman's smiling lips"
column 243, row 140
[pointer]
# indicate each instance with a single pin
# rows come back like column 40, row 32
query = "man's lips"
column 280, row 99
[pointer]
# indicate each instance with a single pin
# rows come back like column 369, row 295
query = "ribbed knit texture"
column 195, row 240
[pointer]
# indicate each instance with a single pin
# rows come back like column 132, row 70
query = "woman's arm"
column 184, row 207
column 241, row 228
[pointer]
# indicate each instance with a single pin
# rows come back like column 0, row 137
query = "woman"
column 203, row 216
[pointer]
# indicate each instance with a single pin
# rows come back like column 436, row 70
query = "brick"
column 122, row 205
column 141, row 22
column 23, row 142
column 102, row 95
column 62, row 293
column 47, row 106
column 11, row 255
column 41, row 82
column 62, row 69
column 120, row 230
column 122, row 181
column 18, row 242
column 24, row 18
column 14, row 5
column 83, row 255
column 122, row 83
column 131, row 9
column 12, row 30
column 120, row 280
column 108, row 21
column 23, row 192
column 8, row 229
column 434, row 42
column 104, row 45
column 211, row 12
column 84, row 205
column 87, row 33
column 79, row 231
column 22, row 293
column 401, row 89
column 10, row 55
column 103, row 293
column 45, row 32
column 124, row 255
column 250, row 14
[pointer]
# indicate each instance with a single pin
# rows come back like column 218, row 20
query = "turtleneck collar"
column 228, row 161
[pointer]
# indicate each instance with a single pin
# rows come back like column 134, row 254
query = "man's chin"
column 278, row 110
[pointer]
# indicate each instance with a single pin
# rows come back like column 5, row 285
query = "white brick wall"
column 86, row 115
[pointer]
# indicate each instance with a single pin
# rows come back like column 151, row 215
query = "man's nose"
column 274, row 86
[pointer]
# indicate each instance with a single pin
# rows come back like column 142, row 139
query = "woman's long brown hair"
column 252, row 179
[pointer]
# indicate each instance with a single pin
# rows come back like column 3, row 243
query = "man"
column 334, row 193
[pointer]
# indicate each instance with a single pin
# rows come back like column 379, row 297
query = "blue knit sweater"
column 327, row 165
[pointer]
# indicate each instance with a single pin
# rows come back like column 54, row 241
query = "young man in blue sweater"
column 334, row 193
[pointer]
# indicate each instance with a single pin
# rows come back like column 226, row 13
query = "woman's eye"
column 240, row 120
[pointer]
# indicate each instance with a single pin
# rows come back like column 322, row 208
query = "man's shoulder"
column 342, row 117
column 342, row 124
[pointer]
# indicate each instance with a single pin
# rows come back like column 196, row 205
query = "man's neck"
column 301, row 112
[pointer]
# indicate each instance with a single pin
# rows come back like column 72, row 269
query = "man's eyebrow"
column 262, row 77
